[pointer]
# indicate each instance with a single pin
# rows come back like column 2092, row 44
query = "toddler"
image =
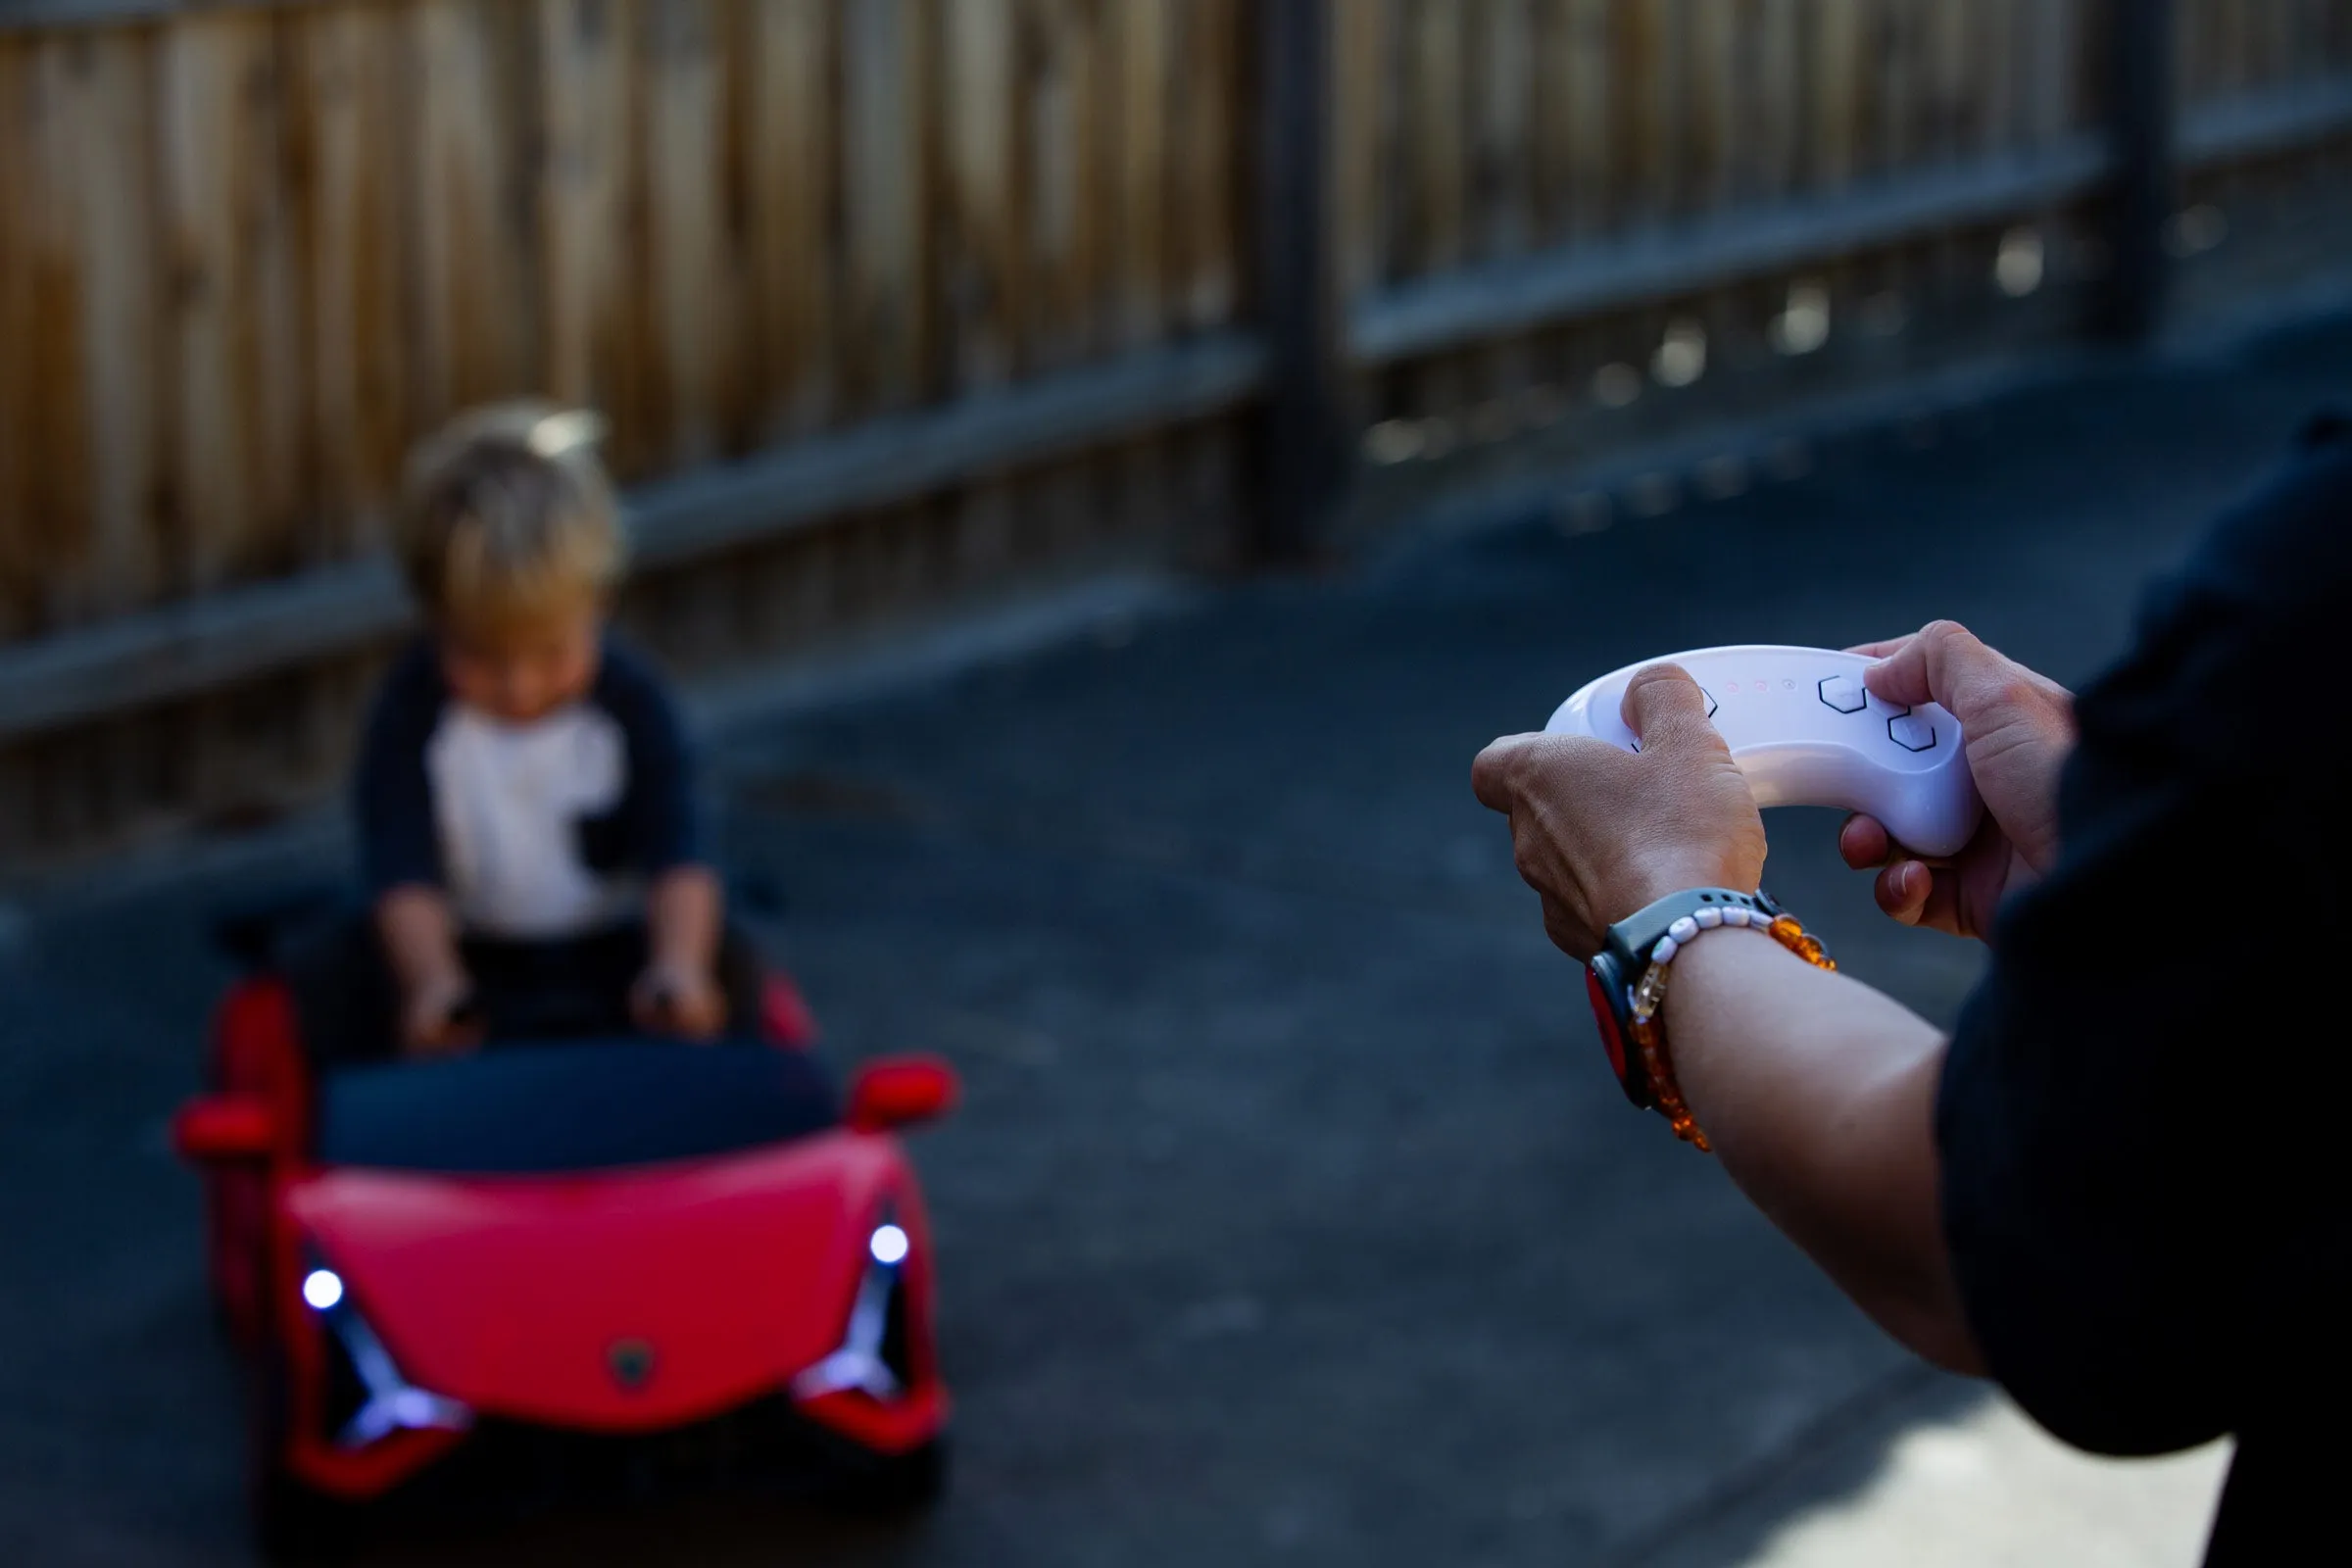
column 524, row 807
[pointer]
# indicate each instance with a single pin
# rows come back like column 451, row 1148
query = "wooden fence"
column 892, row 301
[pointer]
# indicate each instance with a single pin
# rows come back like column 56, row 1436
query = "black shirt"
column 2144, row 1186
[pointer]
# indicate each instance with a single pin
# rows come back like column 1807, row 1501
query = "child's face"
column 527, row 671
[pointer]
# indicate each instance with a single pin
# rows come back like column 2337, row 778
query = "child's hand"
column 437, row 1017
column 678, row 998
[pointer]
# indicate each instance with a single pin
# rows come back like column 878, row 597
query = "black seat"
column 570, row 1106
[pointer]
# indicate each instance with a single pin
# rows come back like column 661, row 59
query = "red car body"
column 400, row 1312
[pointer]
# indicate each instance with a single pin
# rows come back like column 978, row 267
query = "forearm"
column 419, row 937
column 684, row 910
column 1819, row 1096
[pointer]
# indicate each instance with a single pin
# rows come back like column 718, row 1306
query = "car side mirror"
column 901, row 1091
column 213, row 1128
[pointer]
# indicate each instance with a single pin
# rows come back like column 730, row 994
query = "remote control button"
column 1911, row 732
column 1844, row 693
column 1710, row 695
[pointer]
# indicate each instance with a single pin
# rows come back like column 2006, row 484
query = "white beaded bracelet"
column 1687, row 928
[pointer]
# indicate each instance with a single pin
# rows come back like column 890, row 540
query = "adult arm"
column 1817, row 1092
column 2144, row 1221
column 1819, row 1097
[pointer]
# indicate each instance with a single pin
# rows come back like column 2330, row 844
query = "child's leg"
column 576, row 988
column 581, row 985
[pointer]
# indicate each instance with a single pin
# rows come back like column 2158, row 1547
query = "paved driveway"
column 1290, row 1218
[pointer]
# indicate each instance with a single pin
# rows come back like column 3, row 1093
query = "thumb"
column 1665, row 709
column 1934, row 666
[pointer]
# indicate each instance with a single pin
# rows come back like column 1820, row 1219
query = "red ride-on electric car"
column 567, row 1261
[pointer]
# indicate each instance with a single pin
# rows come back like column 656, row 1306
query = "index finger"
column 1492, row 771
column 1884, row 649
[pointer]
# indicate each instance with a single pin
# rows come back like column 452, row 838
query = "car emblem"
column 631, row 1364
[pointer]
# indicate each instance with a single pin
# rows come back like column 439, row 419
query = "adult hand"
column 1599, row 833
column 2020, row 727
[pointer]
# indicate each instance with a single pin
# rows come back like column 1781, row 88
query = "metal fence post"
column 2140, row 132
column 1302, row 442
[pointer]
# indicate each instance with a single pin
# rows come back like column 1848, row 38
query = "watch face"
column 1605, row 1014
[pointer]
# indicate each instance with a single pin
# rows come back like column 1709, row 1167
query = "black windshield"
column 573, row 1106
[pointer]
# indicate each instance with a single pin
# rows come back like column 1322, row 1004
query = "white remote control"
column 1805, row 732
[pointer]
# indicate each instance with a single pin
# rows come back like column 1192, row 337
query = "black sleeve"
column 2140, row 1196
column 391, row 795
column 658, row 815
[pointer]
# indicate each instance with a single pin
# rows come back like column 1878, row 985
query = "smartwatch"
column 1611, row 978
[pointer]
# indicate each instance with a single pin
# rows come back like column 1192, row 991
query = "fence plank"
column 1892, row 85
column 981, row 222
column 1996, row 46
column 52, row 524
column 103, row 169
column 1140, row 103
column 584, row 54
column 94, row 554
column 2050, row 75
column 2279, row 21
column 345, row 101
column 1391, row 127
column 1594, row 117
column 1501, row 178
column 231, row 306
column 2187, row 67
column 982, row 218
column 1713, row 167
column 882, row 297
column 1647, row 118
column 1208, row 207
column 19, row 317
column 1551, row 126
column 690, row 257
column 1962, row 89
column 1359, row 50
column 1086, row 76
column 477, row 227
column 1836, row 87
column 1436, row 136
column 792, row 162
column 1779, row 96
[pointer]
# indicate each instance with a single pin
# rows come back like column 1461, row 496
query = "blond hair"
column 506, row 516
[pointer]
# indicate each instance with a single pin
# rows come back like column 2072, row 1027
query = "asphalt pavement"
column 1289, row 1216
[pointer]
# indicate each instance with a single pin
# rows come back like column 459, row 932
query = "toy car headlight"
column 873, row 1355
column 367, row 1396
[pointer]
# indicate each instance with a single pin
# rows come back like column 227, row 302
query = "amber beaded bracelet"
column 1648, row 1030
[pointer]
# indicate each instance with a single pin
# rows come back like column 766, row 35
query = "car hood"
column 616, row 1300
